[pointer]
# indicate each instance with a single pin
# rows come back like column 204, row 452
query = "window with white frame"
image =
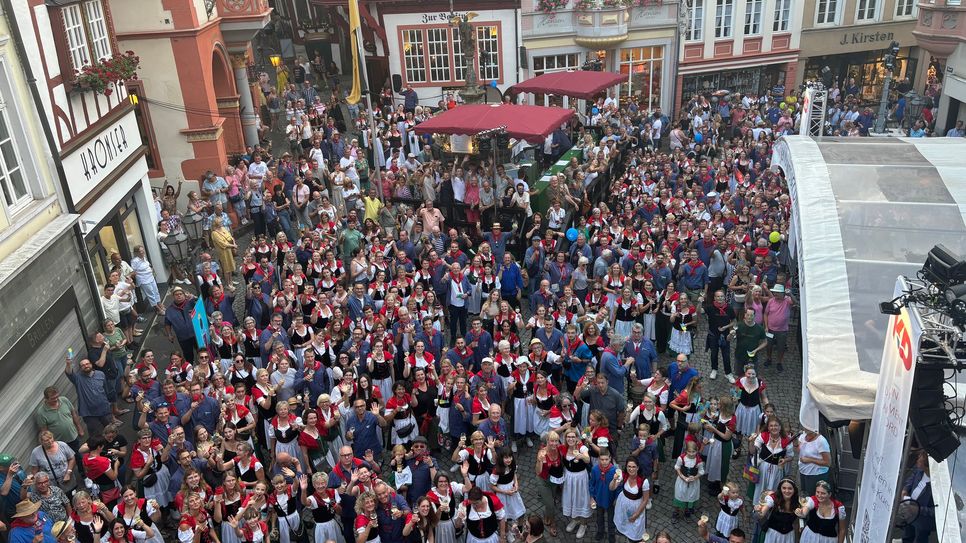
column 783, row 15
column 696, row 21
column 555, row 63
column 905, row 8
column 827, row 12
column 97, row 26
column 488, row 48
column 753, row 17
column 413, row 55
column 85, row 27
column 723, row 18
column 434, row 54
column 16, row 190
column 437, row 40
column 459, row 60
column 867, row 10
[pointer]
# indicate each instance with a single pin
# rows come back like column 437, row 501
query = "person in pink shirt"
column 778, row 309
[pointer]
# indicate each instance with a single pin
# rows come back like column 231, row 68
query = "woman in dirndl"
column 773, row 448
column 626, row 309
column 399, row 410
column 687, row 486
column 322, row 502
column 478, row 458
column 286, row 428
column 776, row 512
column 825, row 518
column 648, row 311
column 543, row 400
column 284, row 501
column 146, row 460
column 482, row 512
column 505, row 484
column 446, row 495
column 576, row 488
column 228, row 498
column 522, row 381
column 684, row 319
column 629, row 510
column 381, row 369
column 718, row 449
column 751, row 396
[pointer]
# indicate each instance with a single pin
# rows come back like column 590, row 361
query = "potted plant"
column 100, row 76
column 550, row 6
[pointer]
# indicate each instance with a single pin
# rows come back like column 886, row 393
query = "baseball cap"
column 5, row 460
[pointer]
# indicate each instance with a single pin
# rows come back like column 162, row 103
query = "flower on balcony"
column 645, row 3
column 100, row 76
column 589, row 5
column 550, row 6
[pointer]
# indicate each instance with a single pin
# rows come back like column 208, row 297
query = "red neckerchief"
column 217, row 302
column 695, row 266
column 722, row 308
column 172, row 406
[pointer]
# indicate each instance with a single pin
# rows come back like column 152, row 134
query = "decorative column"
column 246, row 106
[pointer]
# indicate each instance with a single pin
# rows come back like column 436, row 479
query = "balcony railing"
column 568, row 21
column 938, row 29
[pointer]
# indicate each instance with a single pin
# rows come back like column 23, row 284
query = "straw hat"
column 26, row 508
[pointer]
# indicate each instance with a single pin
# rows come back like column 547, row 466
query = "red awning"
column 531, row 123
column 578, row 84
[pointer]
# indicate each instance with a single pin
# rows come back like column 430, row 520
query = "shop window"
column 723, row 16
column 783, row 14
column 643, row 67
column 549, row 64
column 753, row 17
column 827, row 12
column 696, row 21
column 867, row 10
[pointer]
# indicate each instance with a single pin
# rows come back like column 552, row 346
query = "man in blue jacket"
column 511, row 281
column 177, row 322
column 604, row 488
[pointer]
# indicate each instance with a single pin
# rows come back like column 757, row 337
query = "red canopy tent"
column 578, row 84
column 531, row 123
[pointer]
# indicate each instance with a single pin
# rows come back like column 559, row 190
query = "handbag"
column 407, row 429
column 51, row 466
column 295, row 533
column 752, row 473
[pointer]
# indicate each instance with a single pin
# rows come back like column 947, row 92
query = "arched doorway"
column 226, row 98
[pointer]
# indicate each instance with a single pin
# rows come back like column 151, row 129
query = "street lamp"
column 914, row 105
column 177, row 245
column 192, row 225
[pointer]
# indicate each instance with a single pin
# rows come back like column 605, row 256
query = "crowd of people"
column 382, row 368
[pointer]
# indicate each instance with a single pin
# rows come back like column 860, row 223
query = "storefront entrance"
column 755, row 81
column 868, row 69
column 120, row 233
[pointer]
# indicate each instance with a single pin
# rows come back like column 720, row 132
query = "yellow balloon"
column 774, row 237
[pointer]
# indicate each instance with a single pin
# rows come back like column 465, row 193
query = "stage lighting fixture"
column 944, row 267
column 956, row 298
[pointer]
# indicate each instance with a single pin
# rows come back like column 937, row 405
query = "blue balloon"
column 572, row 234
column 594, row 111
column 699, row 137
column 493, row 83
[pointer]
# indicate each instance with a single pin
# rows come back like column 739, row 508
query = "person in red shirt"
column 103, row 471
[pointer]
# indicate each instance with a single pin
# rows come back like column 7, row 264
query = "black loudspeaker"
column 928, row 414
column 485, row 145
column 396, row 83
column 502, row 140
column 524, row 62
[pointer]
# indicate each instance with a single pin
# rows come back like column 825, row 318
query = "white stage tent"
column 866, row 210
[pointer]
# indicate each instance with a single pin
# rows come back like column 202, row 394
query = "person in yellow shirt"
column 373, row 205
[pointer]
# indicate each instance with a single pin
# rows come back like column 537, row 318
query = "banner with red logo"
column 883, row 455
